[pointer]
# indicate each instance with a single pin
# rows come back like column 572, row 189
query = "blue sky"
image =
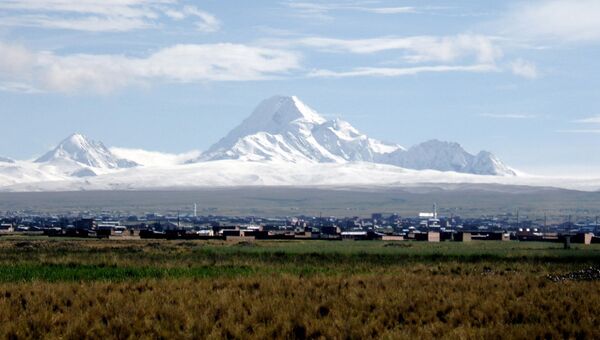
column 518, row 78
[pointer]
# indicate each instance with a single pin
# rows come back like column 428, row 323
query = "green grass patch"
column 74, row 272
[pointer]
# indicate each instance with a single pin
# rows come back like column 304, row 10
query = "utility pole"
column 545, row 222
column 518, row 222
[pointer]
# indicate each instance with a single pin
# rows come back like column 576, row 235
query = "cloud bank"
column 47, row 71
column 101, row 15
column 562, row 21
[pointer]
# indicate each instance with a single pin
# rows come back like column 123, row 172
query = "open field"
column 466, row 200
column 296, row 289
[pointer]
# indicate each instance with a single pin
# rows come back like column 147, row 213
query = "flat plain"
column 465, row 200
column 70, row 288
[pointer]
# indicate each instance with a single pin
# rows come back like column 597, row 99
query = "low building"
column 6, row 228
column 392, row 238
column 431, row 236
column 238, row 238
column 462, row 237
column 583, row 238
column 85, row 223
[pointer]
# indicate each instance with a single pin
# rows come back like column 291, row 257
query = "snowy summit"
column 285, row 129
column 79, row 149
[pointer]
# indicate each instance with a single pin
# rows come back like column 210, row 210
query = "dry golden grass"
column 356, row 296
column 407, row 303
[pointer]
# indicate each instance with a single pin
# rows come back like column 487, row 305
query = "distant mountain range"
column 281, row 134
column 285, row 129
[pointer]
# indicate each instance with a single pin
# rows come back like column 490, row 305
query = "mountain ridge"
column 283, row 128
column 283, row 142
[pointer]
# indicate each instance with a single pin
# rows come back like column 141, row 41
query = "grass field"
column 295, row 289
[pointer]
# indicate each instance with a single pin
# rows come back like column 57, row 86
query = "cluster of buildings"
column 427, row 226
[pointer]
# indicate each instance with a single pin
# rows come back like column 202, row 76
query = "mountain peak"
column 80, row 149
column 76, row 138
column 449, row 156
column 275, row 115
column 284, row 110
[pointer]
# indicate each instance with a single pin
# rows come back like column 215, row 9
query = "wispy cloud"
column 101, row 15
column 18, row 87
column 524, row 69
column 592, row 121
column 397, row 72
column 417, row 49
column 207, row 22
column 48, row 71
column 581, row 131
column 589, row 120
column 388, row 10
column 322, row 10
column 554, row 20
column 508, row 115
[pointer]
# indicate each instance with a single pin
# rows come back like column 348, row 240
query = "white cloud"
column 321, row 10
column 18, row 87
column 508, row 115
column 179, row 63
column 86, row 23
column 207, row 23
column 397, row 72
column 581, row 131
column 589, row 120
column 100, row 15
column 524, row 69
column 154, row 158
column 310, row 7
column 417, row 49
column 390, row 10
column 554, row 20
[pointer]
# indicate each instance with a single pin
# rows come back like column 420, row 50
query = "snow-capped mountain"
column 6, row 160
column 80, row 150
column 283, row 142
column 447, row 156
column 285, row 129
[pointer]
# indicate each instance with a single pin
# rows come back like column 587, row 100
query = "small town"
column 426, row 226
